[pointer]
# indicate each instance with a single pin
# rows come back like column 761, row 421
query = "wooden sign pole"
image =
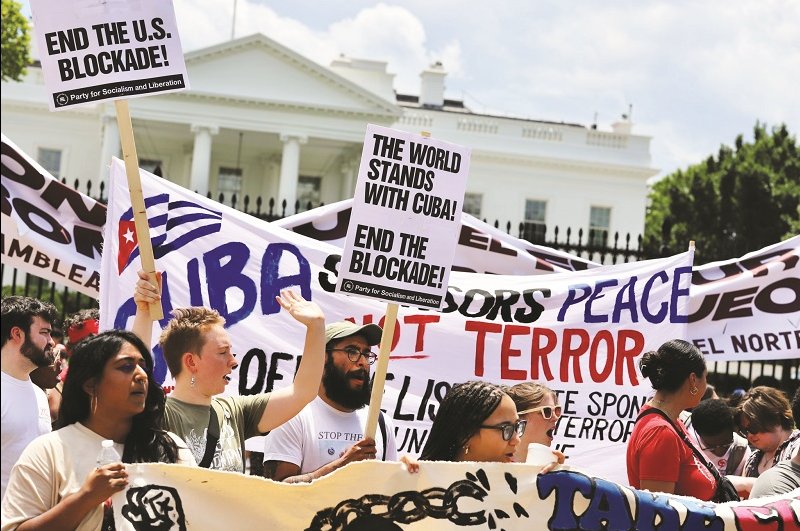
column 137, row 199
column 379, row 381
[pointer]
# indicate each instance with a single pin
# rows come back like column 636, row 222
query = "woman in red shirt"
column 658, row 459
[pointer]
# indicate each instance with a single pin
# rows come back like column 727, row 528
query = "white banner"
column 440, row 496
column 405, row 218
column 94, row 50
column 481, row 247
column 749, row 307
column 49, row 229
column 579, row 332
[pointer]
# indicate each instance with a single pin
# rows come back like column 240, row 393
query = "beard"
column 41, row 357
column 337, row 386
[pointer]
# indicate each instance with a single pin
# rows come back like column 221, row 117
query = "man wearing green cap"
column 328, row 433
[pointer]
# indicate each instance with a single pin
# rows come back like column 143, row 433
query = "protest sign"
column 749, row 307
column 48, row 228
column 378, row 496
column 94, row 50
column 580, row 333
column 405, row 218
column 481, row 248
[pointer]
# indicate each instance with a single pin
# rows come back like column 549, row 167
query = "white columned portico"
column 290, row 169
column 201, row 157
column 110, row 146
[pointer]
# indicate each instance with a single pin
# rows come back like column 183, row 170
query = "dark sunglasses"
column 752, row 428
column 354, row 354
column 546, row 411
column 508, row 429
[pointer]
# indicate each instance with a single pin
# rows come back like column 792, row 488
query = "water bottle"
column 108, row 454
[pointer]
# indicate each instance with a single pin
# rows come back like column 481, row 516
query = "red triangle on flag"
column 128, row 242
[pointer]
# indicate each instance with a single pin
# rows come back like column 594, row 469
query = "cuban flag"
column 173, row 224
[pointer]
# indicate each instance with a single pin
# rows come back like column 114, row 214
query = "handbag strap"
column 711, row 468
column 212, row 436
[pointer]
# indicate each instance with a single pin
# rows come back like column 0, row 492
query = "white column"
column 349, row 169
column 201, row 157
column 290, row 170
column 109, row 148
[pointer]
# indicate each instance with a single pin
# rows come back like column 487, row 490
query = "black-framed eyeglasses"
column 354, row 354
column 716, row 447
column 546, row 411
column 508, row 429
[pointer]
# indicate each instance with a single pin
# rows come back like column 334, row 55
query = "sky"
column 696, row 73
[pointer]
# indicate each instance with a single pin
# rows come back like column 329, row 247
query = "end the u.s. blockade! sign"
column 94, row 50
column 406, row 218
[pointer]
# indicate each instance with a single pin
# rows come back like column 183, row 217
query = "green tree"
column 744, row 198
column 16, row 42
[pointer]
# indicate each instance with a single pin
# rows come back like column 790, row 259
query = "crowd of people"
column 686, row 440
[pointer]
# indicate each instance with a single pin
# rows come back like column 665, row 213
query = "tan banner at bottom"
column 379, row 496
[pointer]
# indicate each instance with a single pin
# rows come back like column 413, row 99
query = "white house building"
column 262, row 120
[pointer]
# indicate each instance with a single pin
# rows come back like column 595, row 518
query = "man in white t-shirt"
column 329, row 432
column 25, row 325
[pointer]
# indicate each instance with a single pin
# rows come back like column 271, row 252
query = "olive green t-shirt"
column 238, row 417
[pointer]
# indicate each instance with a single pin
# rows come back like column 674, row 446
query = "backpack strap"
column 212, row 436
column 382, row 425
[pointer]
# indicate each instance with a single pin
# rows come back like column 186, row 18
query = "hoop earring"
column 466, row 450
column 93, row 403
column 191, row 382
column 693, row 390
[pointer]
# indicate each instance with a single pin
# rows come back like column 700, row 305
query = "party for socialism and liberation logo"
column 173, row 224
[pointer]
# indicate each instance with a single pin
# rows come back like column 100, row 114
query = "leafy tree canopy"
column 744, row 198
column 16, row 42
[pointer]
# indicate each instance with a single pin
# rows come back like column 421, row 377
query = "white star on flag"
column 128, row 236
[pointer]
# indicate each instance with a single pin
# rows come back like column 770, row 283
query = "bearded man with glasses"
column 329, row 432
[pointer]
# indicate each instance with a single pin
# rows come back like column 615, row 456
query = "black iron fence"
column 591, row 245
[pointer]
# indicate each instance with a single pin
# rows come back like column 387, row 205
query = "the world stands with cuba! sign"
column 432, row 351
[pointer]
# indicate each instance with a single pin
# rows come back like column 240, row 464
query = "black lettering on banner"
column 154, row 507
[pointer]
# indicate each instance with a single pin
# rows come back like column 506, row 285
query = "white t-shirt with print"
column 721, row 462
column 320, row 434
column 25, row 416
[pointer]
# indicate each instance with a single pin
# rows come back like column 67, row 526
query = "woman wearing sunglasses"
column 476, row 421
column 658, row 458
column 537, row 405
column 765, row 417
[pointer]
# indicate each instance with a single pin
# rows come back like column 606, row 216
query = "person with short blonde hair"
column 200, row 357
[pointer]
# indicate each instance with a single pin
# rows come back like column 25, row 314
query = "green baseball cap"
column 342, row 329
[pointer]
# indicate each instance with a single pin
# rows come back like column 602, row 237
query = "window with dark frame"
column 50, row 160
column 599, row 225
column 534, row 227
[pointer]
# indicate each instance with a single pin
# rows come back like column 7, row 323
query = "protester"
column 713, row 431
column 538, row 406
column 658, row 458
column 109, row 393
column 25, row 326
column 200, row 358
column 321, row 438
column 765, row 417
column 476, row 421
column 785, row 476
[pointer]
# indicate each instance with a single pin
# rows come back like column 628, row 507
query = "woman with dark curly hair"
column 765, row 417
column 658, row 457
column 109, row 393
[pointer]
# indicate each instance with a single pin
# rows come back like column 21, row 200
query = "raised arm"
column 145, row 293
column 287, row 402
